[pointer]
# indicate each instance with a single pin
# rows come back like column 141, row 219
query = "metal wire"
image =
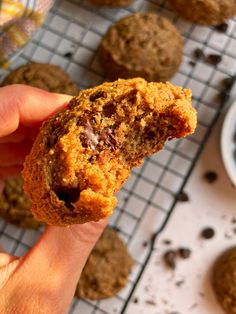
column 70, row 37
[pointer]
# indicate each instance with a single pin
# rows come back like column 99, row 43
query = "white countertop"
column 209, row 205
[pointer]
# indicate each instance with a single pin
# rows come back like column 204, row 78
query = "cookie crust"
column 48, row 77
column 84, row 153
column 110, row 253
column 224, row 280
column 208, row 12
column 112, row 3
column 141, row 45
column 15, row 206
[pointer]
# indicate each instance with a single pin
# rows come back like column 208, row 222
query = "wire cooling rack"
column 70, row 37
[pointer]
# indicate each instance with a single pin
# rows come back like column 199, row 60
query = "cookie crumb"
column 182, row 197
column 213, row 59
column 192, row 63
column 233, row 220
column 222, row 28
column 228, row 82
column 150, row 302
column 180, row 283
column 145, row 244
column 68, row 55
column 184, row 252
column 169, row 259
column 135, row 300
column 198, row 53
column 210, row 176
column 167, row 242
column 207, row 233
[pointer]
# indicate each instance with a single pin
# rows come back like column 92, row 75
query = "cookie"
column 112, row 3
column 84, row 153
column 224, row 280
column 15, row 206
column 141, row 45
column 48, row 77
column 208, row 12
column 104, row 281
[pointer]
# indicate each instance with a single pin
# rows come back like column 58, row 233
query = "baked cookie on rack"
column 15, row 206
column 107, row 279
column 208, row 12
column 85, row 152
column 48, row 77
column 112, row 3
column 224, row 280
column 141, row 45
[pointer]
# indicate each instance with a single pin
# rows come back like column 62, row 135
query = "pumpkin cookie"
column 84, row 153
column 48, row 77
column 112, row 3
column 15, row 206
column 209, row 12
column 224, row 280
column 111, row 276
column 142, row 44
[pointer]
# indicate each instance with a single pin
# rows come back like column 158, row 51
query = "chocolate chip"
column 192, row 63
column 145, row 244
column 222, row 28
column 208, row 233
column 182, row 197
column 198, row 53
column 109, row 109
column 167, row 242
column 228, row 82
column 184, row 252
column 68, row 55
column 213, row 59
column 84, row 140
column 169, row 259
column 150, row 302
column 210, row 176
column 179, row 283
column 135, row 300
column 97, row 94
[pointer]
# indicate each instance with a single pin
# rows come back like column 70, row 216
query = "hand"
column 43, row 280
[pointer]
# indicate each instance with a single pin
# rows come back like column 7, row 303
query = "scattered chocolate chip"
column 135, row 300
column 210, row 176
column 179, row 283
column 192, row 63
column 208, row 233
column 228, row 82
column 150, row 302
column 198, row 53
column 97, row 94
column 145, row 244
column 169, row 259
column 182, row 197
column 222, row 28
column 193, row 306
column 167, row 242
column 184, row 252
column 213, row 59
column 68, row 55
column 233, row 220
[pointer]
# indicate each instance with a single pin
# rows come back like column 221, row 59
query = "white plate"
column 228, row 142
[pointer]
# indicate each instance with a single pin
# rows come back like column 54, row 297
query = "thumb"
column 27, row 106
column 53, row 266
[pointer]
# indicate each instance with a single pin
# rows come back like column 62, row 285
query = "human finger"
column 26, row 105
